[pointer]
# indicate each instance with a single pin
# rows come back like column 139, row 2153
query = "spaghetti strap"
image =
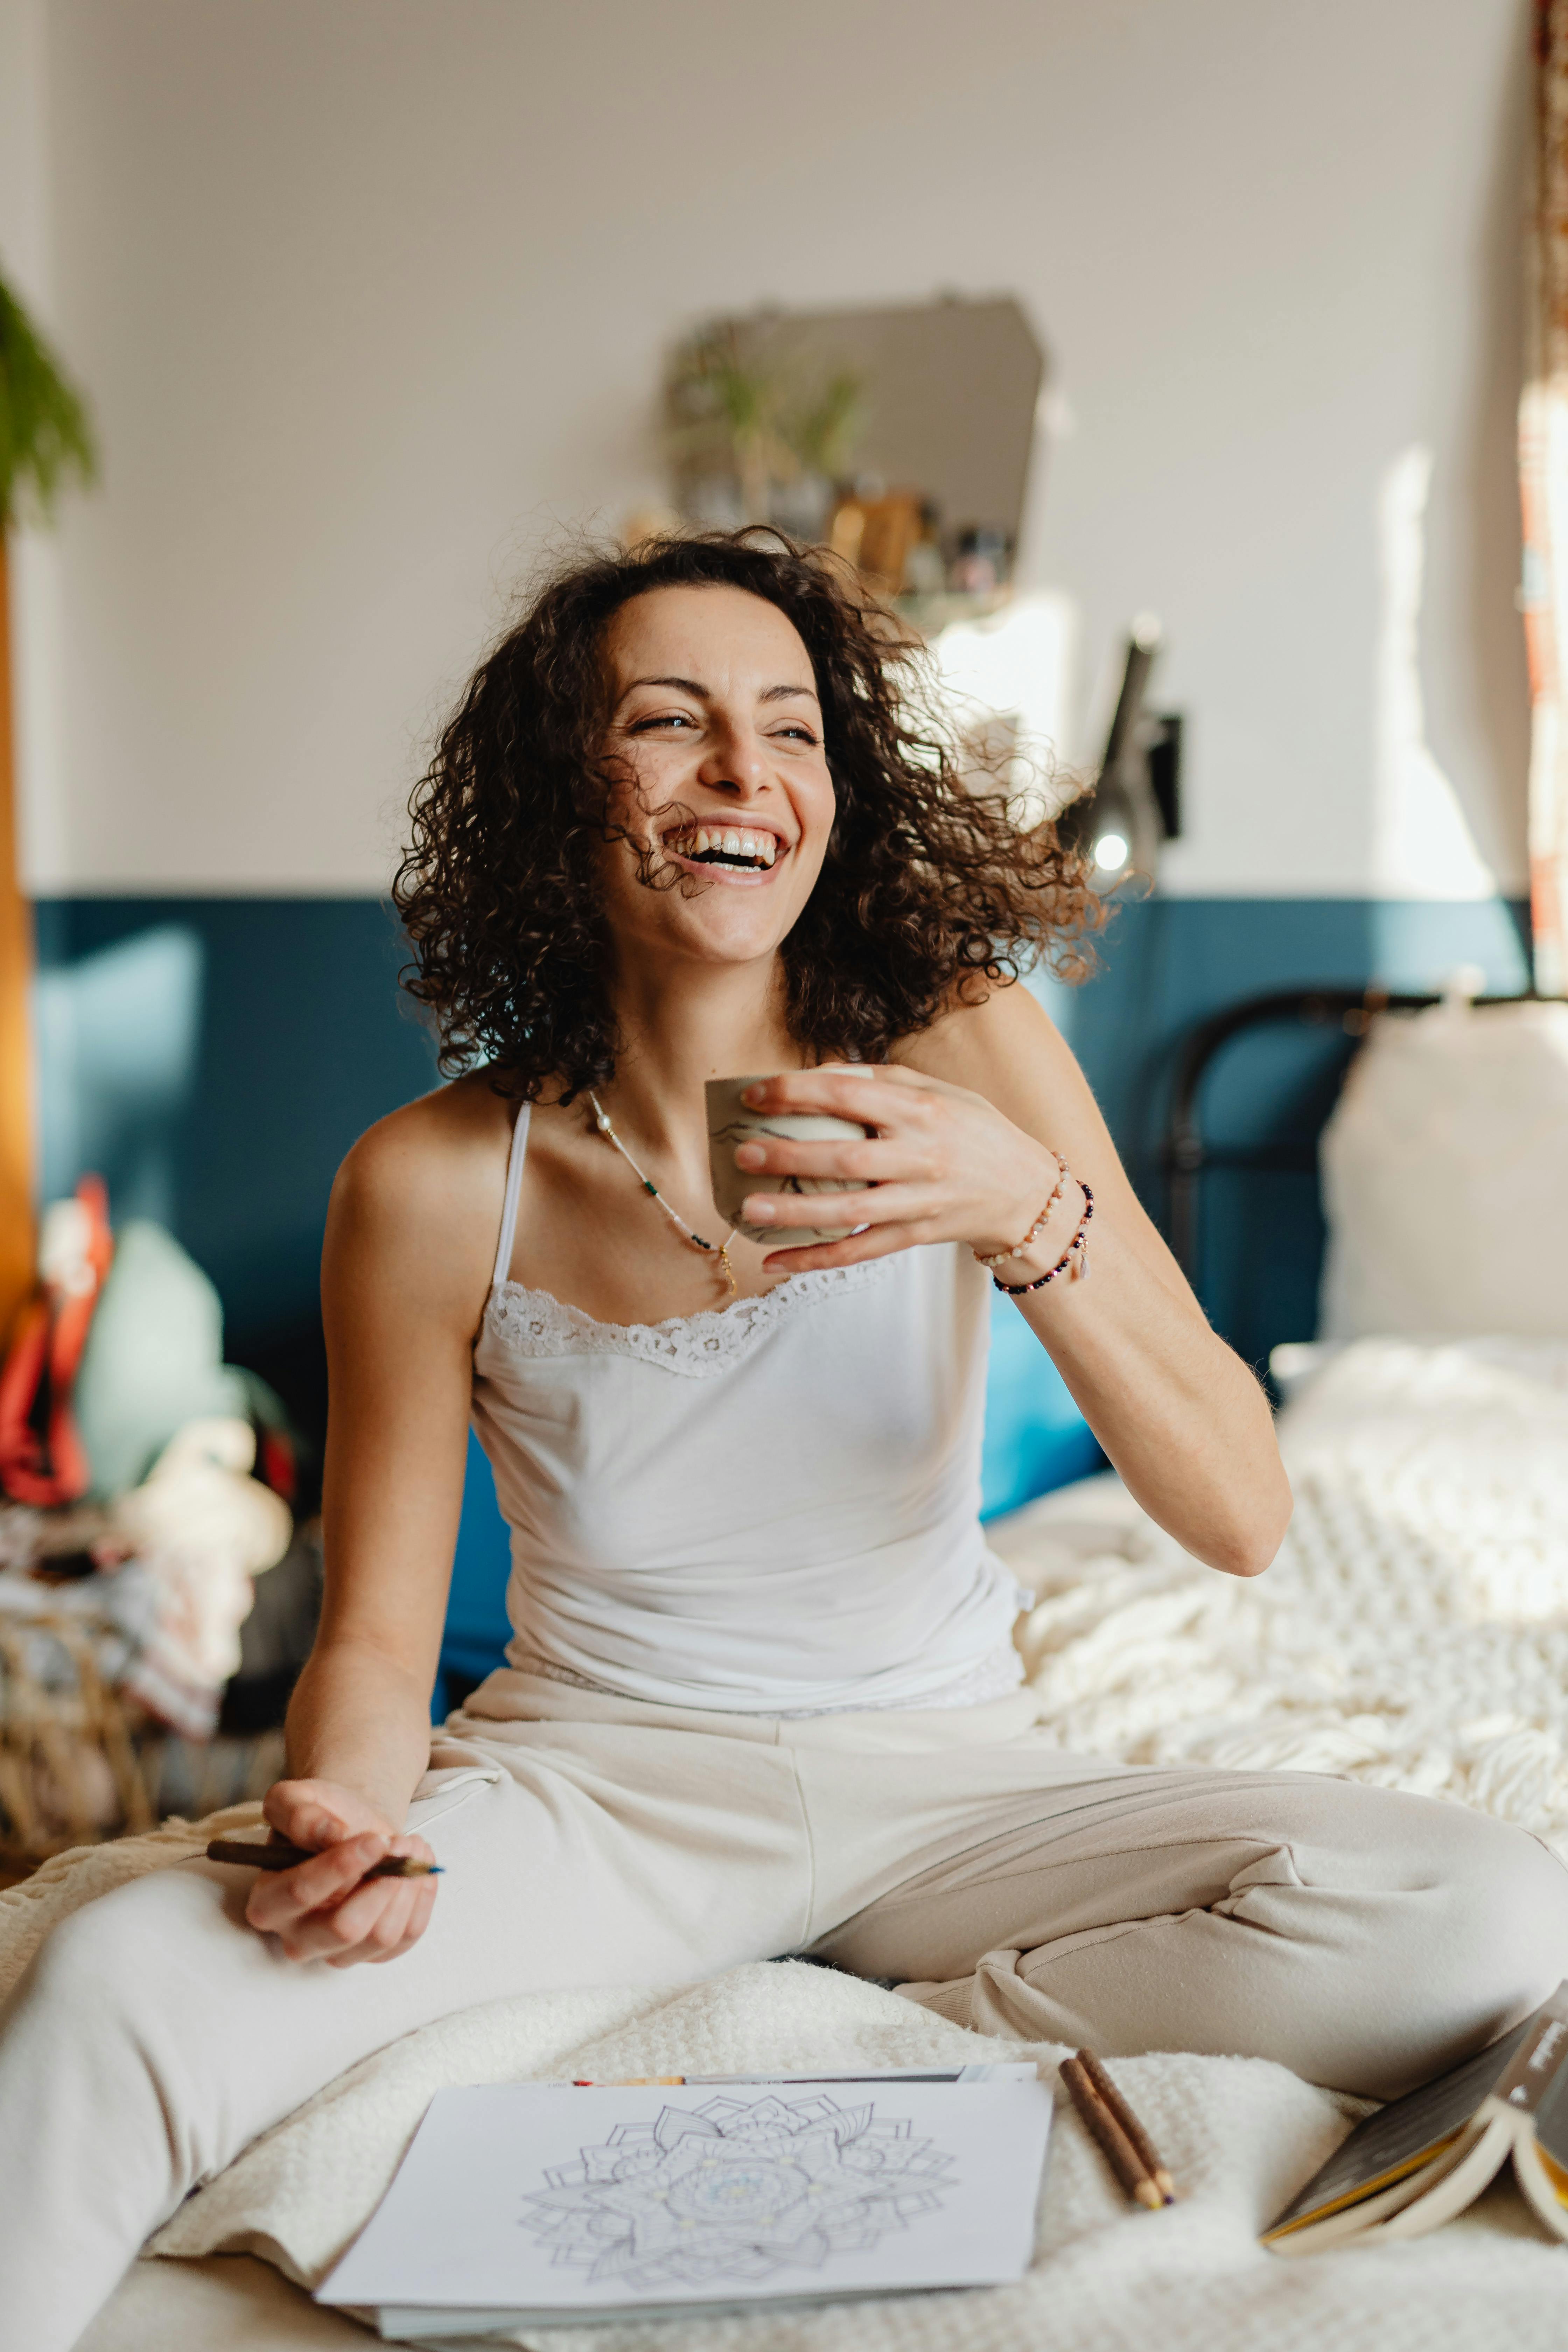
column 515, row 1159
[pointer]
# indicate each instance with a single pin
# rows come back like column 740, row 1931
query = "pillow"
column 1445, row 1169
column 153, row 1359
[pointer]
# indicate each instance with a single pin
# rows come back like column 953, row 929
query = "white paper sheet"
column 544, row 2201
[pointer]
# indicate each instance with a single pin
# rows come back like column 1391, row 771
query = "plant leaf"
column 46, row 437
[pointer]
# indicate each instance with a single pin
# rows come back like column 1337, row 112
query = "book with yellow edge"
column 1423, row 2159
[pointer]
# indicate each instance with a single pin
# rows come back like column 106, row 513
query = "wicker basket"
column 71, row 1772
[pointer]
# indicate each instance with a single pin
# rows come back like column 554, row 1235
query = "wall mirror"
column 901, row 435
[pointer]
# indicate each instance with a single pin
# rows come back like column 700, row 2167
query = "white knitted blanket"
column 1414, row 1631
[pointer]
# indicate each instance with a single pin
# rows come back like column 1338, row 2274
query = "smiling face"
column 715, row 725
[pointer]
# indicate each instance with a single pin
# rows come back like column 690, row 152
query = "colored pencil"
column 1153, row 2162
column 864, row 2074
column 253, row 1855
column 1116, row 2147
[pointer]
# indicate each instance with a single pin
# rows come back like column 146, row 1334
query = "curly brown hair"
column 930, row 888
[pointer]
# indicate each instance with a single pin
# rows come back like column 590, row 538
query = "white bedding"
column 1414, row 1631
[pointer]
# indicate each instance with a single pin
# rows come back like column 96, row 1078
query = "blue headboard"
column 1252, row 1087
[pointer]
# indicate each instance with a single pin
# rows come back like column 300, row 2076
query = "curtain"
column 1543, row 488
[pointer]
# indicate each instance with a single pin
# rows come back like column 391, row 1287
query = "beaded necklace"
column 719, row 1248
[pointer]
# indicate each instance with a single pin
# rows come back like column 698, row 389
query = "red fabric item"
column 42, row 1458
column 274, row 1464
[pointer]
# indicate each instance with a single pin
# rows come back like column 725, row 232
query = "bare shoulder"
column 443, row 1141
column 422, row 1191
column 994, row 1046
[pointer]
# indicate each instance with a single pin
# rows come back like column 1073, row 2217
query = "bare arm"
column 404, row 1273
column 974, row 1115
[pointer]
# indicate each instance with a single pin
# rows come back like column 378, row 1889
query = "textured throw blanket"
column 1414, row 1631
column 1239, row 2134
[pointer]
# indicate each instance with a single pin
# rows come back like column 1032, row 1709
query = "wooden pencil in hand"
column 1148, row 2154
column 254, row 1855
column 1123, row 2158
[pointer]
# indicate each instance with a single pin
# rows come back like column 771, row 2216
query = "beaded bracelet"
column 1000, row 1258
column 1078, row 1243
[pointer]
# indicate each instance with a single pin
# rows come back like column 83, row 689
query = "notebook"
column 545, row 2204
column 1420, row 2160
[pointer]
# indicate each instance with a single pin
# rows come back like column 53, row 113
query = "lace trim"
column 535, row 1323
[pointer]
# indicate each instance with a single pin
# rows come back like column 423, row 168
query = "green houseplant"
column 737, row 406
column 44, row 435
column 46, row 441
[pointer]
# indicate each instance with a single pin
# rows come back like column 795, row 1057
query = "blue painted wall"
column 213, row 1058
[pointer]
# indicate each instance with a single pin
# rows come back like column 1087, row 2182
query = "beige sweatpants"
column 1364, row 1937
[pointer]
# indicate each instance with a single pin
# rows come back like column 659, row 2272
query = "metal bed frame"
column 1186, row 1154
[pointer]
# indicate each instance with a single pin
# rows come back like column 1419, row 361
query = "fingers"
column 371, row 1925
column 327, row 1908
column 423, row 1904
column 317, row 1812
column 885, row 1204
column 279, row 1900
column 871, row 1160
column 294, row 1809
column 880, row 1241
column 378, row 1922
column 880, row 1094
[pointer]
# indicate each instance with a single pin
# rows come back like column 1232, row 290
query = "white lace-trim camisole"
column 769, row 1509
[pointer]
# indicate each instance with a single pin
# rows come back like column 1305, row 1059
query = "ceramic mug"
column 731, row 1122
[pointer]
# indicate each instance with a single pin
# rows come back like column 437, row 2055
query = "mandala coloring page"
column 736, row 2190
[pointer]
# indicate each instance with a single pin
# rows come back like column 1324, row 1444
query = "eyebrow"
column 704, row 694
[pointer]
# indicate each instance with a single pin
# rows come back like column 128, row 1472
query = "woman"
column 762, row 1696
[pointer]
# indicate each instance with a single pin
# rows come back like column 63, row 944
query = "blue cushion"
column 1036, row 1438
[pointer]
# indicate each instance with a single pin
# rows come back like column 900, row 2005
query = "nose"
column 736, row 761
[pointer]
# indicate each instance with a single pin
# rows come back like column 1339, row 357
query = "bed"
column 1413, row 1633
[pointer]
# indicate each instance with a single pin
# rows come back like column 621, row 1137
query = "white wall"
column 371, row 297
column 26, row 258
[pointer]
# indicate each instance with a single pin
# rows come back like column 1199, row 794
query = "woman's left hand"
column 947, row 1166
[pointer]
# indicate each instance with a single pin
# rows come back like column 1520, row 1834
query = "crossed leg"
column 1363, row 1938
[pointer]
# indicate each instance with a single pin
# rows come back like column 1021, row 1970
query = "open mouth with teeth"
column 735, row 847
